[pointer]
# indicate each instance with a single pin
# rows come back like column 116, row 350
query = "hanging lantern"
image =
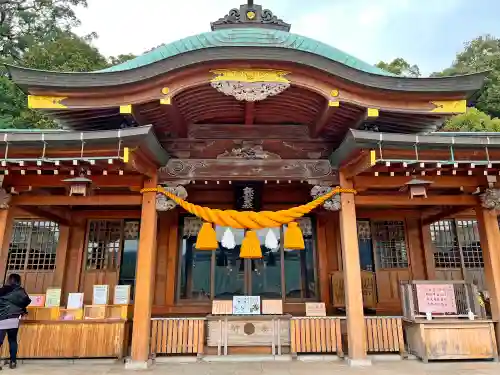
column 417, row 188
column 250, row 247
column 78, row 185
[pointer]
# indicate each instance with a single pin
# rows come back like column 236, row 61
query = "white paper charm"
column 271, row 241
column 228, row 239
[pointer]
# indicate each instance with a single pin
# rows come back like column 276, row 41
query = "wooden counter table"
column 72, row 339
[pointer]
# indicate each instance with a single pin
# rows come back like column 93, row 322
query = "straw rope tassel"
column 249, row 219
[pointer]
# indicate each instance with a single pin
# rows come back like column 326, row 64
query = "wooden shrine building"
column 250, row 117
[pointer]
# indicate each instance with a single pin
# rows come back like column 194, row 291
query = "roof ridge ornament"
column 250, row 15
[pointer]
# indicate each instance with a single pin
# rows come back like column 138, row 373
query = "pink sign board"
column 436, row 299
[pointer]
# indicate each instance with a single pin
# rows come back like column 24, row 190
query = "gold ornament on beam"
column 250, row 248
column 250, row 85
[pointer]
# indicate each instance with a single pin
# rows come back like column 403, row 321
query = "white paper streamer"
column 228, row 239
column 271, row 240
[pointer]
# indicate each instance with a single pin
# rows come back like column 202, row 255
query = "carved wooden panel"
column 234, row 169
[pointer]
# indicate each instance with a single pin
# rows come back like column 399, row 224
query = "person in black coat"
column 13, row 303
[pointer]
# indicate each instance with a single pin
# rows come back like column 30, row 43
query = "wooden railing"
column 177, row 336
column 316, row 335
column 368, row 287
column 384, row 335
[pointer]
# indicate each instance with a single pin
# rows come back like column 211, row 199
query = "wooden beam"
column 360, row 120
column 145, row 279
column 48, row 214
column 404, row 200
column 180, row 127
column 321, row 122
column 438, row 182
column 63, row 200
column 365, row 160
column 108, row 181
column 249, row 113
column 259, row 131
column 139, row 163
column 446, row 213
column 242, row 169
column 106, row 215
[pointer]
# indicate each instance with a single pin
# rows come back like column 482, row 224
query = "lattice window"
column 468, row 238
column 445, row 241
column 33, row 245
column 450, row 237
column 390, row 244
column 105, row 238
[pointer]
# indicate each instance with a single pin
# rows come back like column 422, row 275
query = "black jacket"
column 13, row 301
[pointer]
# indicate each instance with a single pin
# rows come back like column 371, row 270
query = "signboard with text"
column 436, row 299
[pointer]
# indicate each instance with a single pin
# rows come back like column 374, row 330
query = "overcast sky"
column 424, row 32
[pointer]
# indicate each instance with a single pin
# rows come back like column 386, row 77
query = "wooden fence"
column 385, row 335
column 177, row 336
column 316, row 335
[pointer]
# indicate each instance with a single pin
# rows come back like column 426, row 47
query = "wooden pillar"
column 5, row 233
column 144, row 280
column 415, row 248
column 490, row 238
column 352, row 278
column 430, row 268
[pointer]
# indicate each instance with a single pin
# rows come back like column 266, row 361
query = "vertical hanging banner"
column 248, row 196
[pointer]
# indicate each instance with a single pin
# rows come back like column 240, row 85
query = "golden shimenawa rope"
column 249, row 219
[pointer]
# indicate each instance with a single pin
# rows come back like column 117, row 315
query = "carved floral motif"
column 250, row 92
column 332, row 204
column 248, row 152
column 165, row 204
column 490, row 199
column 4, row 199
column 250, row 84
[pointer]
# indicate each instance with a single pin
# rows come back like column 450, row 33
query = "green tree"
column 115, row 60
column 473, row 120
column 480, row 54
column 400, row 67
column 65, row 52
column 61, row 51
column 25, row 22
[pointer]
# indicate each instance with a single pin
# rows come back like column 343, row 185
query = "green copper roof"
column 247, row 37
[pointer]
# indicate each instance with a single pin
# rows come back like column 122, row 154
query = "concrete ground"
column 411, row 367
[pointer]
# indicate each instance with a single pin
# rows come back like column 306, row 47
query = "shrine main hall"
column 250, row 191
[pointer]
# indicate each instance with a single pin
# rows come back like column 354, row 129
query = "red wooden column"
column 352, row 279
column 490, row 238
column 144, row 282
column 5, row 233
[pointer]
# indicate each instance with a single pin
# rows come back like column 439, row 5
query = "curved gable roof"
column 247, row 37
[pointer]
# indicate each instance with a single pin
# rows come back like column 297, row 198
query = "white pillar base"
column 138, row 365
column 365, row 362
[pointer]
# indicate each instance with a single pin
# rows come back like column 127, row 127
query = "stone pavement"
column 411, row 367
